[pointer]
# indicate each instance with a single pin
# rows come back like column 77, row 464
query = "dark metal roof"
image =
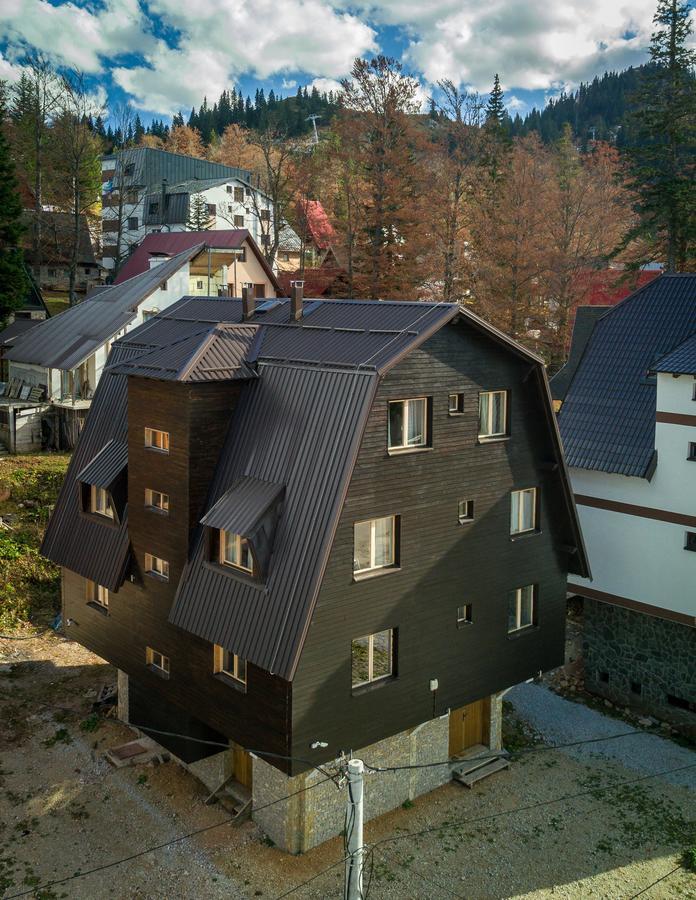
column 241, row 507
column 150, row 166
column 585, row 320
column 81, row 543
column 300, row 427
column 68, row 339
column 681, row 361
column 608, row 418
column 176, row 209
column 15, row 329
column 215, row 353
column 106, row 466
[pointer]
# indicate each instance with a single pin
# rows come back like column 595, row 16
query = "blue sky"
column 165, row 55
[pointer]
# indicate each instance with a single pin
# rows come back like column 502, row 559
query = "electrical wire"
column 117, row 862
column 304, row 883
column 657, row 881
column 515, row 753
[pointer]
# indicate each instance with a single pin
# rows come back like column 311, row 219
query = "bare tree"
column 123, row 118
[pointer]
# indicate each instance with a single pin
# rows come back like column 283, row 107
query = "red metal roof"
column 173, row 242
column 318, row 225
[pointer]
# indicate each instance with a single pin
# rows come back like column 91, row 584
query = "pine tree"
column 495, row 108
column 13, row 279
column 199, row 218
column 662, row 158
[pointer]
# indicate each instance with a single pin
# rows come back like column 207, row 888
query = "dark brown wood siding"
column 196, row 418
column 443, row 564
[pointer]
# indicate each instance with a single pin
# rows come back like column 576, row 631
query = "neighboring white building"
column 628, row 421
column 145, row 190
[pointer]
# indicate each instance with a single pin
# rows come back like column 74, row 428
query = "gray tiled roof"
column 585, row 320
column 681, row 361
column 608, row 418
column 150, row 166
column 68, row 339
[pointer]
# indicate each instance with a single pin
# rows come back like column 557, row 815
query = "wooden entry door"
column 241, row 766
column 469, row 726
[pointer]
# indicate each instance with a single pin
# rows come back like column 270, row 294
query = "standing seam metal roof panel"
column 241, row 507
column 106, row 466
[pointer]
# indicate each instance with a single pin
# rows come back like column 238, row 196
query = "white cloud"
column 514, row 104
column 288, row 84
column 324, row 85
column 9, row 71
column 533, row 45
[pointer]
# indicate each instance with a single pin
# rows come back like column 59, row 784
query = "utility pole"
column 354, row 831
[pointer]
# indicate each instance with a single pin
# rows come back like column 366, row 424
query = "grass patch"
column 689, row 859
column 29, row 584
column 517, row 734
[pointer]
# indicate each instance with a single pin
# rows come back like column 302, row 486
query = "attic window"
column 100, row 502
column 236, row 552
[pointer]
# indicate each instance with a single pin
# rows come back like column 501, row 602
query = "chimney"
column 296, row 291
column 164, row 201
column 248, row 303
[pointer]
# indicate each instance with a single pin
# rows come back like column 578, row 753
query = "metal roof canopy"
column 240, row 508
column 106, row 466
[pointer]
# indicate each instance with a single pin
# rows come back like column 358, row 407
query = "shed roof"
column 65, row 341
column 107, row 465
column 608, row 418
column 241, row 507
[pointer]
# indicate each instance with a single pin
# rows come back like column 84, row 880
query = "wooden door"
column 469, row 726
column 241, row 766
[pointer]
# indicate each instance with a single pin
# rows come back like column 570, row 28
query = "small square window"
column 133, row 223
column 692, row 451
column 96, row 594
column 464, row 615
column 466, row 511
column 236, row 552
column 157, row 567
column 239, row 221
column 228, row 188
column 230, row 664
column 157, row 440
column 156, row 500
column 456, row 404
column 690, row 540
column 157, row 661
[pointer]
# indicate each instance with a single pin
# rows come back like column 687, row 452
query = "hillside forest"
column 460, row 203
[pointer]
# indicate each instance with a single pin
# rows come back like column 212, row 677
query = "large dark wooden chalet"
column 307, row 527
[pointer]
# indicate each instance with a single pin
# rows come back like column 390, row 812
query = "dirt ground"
column 65, row 811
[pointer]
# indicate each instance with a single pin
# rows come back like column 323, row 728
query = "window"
column 523, row 511
column 153, row 208
column 456, row 404
column 230, row 208
column 408, row 423
column 284, row 256
column 521, row 608
column 156, row 660
column 149, row 314
column 199, row 285
column 212, row 209
column 239, row 195
column 690, row 540
column 264, row 215
column 235, row 552
column 372, row 657
column 464, row 615
column 239, row 221
column 692, row 451
column 97, row 594
column 129, row 169
column 133, row 223
column 374, row 544
column 228, row 188
column 100, row 502
column 492, row 414
column 157, row 440
column 156, row 566
column 163, row 286
column 156, row 500
column 227, row 663
column 131, row 196
column 466, row 511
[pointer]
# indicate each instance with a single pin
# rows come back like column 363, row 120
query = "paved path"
column 562, row 721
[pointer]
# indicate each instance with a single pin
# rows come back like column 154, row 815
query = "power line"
column 304, row 883
column 540, row 803
column 515, row 753
column 183, row 837
column 657, row 881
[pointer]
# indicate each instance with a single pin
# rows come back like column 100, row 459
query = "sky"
column 164, row 56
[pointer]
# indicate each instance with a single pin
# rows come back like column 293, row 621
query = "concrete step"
column 472, row 774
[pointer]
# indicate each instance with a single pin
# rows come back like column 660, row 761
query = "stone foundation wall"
column 644, row 658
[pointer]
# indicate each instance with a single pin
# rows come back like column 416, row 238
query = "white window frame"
column 406, row 405
column 157, row 567
column 462, row 615
column 97, row 593
column 373, row 532
column 490, row 395
column 457, row 408
column 151, row 497
column 238, row 672
column 238, row 539
column 151, row 439
column 157, row 660
column 370, row 657
column 518, row 592
column 100, row 502
column 468, row 506
column 516, row 527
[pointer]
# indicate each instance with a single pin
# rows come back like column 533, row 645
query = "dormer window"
column 236, row 552
column 100, row 502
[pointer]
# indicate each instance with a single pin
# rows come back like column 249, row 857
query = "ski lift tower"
column 313, row 120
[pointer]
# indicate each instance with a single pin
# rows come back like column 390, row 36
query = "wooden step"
column 488, row 767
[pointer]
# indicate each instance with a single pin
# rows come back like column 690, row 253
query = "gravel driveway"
column 561, row 721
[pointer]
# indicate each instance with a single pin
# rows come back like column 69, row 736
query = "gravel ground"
column 557, row 824
column 561, row 721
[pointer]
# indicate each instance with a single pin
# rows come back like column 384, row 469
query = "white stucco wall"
column 636, row 557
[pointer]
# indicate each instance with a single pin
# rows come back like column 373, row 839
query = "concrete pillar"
column 495, row 736
column 123, row 707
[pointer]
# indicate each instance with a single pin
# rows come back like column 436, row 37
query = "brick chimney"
column 296, row 292
column 248, row 302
